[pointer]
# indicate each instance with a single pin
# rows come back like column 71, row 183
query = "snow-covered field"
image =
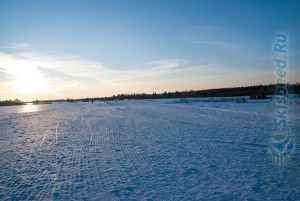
column 147, row 150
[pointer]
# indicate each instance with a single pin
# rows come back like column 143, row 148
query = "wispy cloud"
column 218, row 37
column 76, row 77
column 2, row 69
column 14, row 46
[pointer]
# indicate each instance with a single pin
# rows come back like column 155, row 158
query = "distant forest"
column 260, row 91
column 11, row 102
column 257, row 91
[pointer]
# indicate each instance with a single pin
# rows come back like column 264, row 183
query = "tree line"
column 11, row 102
column 221, row 92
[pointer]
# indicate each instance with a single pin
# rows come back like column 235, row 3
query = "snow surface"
column 147, row 150
column 36, row 108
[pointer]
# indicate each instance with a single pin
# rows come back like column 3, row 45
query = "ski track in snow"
column 146, row 150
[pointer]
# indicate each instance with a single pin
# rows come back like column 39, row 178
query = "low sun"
column 27, row 78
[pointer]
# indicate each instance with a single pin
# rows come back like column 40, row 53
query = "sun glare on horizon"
column 27, row 78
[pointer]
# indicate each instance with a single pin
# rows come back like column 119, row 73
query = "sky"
column 53, row 49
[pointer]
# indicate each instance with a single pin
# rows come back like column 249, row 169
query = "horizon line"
column 295, row 83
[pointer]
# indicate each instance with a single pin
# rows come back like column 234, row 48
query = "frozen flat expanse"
column 147, row 150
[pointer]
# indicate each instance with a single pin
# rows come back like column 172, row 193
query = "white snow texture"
column 147, row 150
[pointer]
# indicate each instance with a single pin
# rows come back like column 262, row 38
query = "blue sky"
column 61, row 48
